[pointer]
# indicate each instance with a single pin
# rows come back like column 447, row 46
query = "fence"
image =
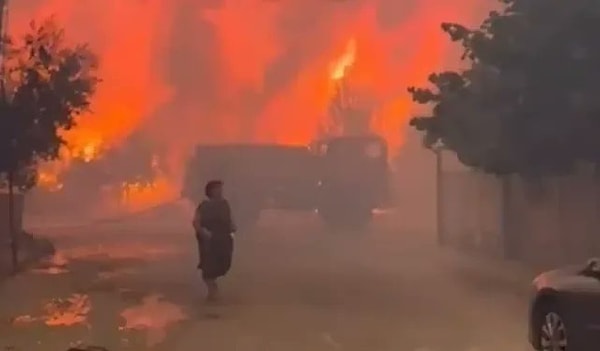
column 548, row 221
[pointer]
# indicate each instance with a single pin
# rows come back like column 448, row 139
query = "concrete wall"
column 545, row 222
column 471, row 212
column 557, row 220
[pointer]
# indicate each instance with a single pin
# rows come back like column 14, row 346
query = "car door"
column 584, row 293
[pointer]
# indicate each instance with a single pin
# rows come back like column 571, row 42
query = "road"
column 132, row 285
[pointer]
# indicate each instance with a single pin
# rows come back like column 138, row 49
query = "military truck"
column 256, row 177
column 343, row 178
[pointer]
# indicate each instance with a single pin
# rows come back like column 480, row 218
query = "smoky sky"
column 304, row 30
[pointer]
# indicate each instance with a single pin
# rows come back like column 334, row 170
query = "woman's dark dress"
column 215, row 252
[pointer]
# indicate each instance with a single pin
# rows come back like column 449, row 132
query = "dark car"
column 565, row 309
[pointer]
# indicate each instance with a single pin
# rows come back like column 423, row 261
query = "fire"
column 137, row 196
column 49, row 180
column 183, row 72
column 128, row 37
column 89, row 151
column 339, row 68
column 66, row 312
column 154, row 315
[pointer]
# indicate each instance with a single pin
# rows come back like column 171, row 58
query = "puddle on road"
column 154, row 315
column 67, row 312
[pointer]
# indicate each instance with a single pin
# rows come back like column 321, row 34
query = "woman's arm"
column 232, row 224
column 196, row 222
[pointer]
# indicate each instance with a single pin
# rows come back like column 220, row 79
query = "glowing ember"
column 50, row 173
column 153, row 315
column 68, row 312
column 25, row 319
column 61, row 312
column 136, row 196
column 50, row 270
column 53, row 266
column 49, row 180
column 58, row 260
column 88, row 152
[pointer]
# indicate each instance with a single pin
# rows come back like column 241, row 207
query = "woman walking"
column 214, row 231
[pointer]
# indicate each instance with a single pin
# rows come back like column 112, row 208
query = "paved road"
column 133, row 286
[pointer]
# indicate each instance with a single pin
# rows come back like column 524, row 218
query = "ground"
column 132, row 285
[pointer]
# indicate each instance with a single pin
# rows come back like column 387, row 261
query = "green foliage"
column 527, row 103
column 47, row 85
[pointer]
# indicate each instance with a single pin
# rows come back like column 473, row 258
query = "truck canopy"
column 218, row 161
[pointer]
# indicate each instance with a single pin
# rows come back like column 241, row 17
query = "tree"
column 349, row 110
column 46, row 86
column 527, row 101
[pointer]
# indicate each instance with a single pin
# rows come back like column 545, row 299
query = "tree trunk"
column 14, row 247
column 439, row 199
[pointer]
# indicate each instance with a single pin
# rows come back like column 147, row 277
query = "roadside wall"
column 545, row 222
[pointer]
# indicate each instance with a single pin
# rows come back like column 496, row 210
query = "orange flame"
column 247, row 70
column 339, row 68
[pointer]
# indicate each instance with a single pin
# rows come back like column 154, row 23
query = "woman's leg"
column 200, row 254
column 212, row 289
column 224, row 256
column 210, row 268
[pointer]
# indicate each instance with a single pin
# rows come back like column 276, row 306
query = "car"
column 564, row 312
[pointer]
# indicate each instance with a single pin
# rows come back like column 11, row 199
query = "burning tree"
column 131, row 176
column 349, row 111
column 349, row 115
column 45, row 86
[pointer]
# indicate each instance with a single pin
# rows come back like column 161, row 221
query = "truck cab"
column 353, row 177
